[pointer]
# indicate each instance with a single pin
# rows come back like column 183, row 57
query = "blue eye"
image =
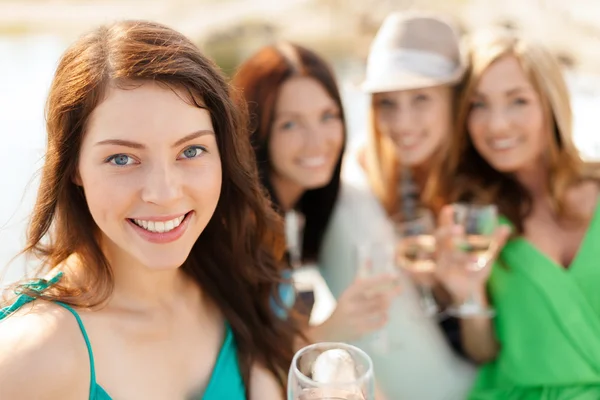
column 193, row 151
column 119, row 159
column 288, row 125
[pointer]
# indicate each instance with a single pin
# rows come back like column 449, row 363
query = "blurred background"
column 34, row 33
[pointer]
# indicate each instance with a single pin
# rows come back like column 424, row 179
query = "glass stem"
column 428, row 300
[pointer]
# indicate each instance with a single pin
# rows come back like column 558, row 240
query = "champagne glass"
column 376, row 258
column 416, row 253
column 477, row 245
column 331, row 371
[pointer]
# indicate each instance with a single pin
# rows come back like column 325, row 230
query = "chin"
column 317, row 183
column 413, row 159
column 506, row 167
column 163, row 262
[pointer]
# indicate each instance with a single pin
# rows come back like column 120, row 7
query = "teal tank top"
column 226, row 379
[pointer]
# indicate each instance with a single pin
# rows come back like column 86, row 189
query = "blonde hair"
column 566, row 167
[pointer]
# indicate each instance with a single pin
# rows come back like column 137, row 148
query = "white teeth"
column 159, row 226
column 503, row 144
column 313, row 161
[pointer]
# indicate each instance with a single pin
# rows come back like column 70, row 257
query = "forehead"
column 303, row 94
column 432, row 90
column 146, row 111
column 502, row 75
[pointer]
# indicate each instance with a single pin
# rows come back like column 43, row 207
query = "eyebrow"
column 510, row 92
column 135, row 145
column 284, row 113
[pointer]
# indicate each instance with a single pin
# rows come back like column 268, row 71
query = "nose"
column 497, row 122
column 400, row 122
column 315, row 137
column 162, row 186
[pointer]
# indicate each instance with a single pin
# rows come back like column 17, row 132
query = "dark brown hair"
column 237, row 258
column 259, row 80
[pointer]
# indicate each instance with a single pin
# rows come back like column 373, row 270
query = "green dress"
column 547, row 323
column 226, row 379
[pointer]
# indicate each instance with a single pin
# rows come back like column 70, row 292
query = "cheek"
column 532, row 125
column 383, row 125
column 336, row 135
column 108, row 195
column 283, row 148
column 476, row 128
column 437, row 122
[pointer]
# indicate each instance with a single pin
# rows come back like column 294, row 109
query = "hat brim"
column 409, row 81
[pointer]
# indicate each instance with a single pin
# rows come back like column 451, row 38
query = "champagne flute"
column 374, row 259
column 331, row 371
column 477, row 245
column 416, row 253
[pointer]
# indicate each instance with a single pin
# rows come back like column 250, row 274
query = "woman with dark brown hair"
column 156, row 241
column 298, row 132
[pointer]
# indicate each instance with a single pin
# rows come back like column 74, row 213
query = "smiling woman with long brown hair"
column 156, row 242
column 298, row 131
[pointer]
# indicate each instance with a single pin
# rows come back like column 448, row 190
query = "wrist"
column 477, row 294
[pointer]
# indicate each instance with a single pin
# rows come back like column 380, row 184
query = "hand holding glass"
column 416, row 254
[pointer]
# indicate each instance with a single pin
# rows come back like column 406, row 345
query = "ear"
column 76, row 179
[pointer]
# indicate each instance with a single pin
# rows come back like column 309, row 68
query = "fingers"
column 372, row 285
column 376, row 304
column 501, row 236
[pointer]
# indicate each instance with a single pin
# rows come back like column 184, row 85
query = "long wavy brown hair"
column 259, row 80
column 468, row 177
column 237, row 260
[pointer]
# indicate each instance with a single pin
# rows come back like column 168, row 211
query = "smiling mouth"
column 160, row 226
column 409, row 141
column 313, row 162
column 504, row 144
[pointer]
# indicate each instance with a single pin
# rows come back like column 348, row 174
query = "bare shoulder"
column 584, row 197
column 42, row 354
column 264, row 385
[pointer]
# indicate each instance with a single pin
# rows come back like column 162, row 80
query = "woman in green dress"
column 515, row 150
column 159, row 251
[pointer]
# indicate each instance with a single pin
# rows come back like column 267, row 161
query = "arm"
column 38, row 360
column 478, row 338
column 263, row 385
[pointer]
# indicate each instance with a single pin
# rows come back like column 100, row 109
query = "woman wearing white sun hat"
column 413, row 69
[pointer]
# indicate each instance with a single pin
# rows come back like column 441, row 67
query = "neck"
column 535, row 181
column 145, row 290
column 288, row 193
column 420, row 174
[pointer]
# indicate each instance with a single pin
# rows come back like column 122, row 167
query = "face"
column 307, row 135
column 417, row 121
column 506, row 122
column 151, row 173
